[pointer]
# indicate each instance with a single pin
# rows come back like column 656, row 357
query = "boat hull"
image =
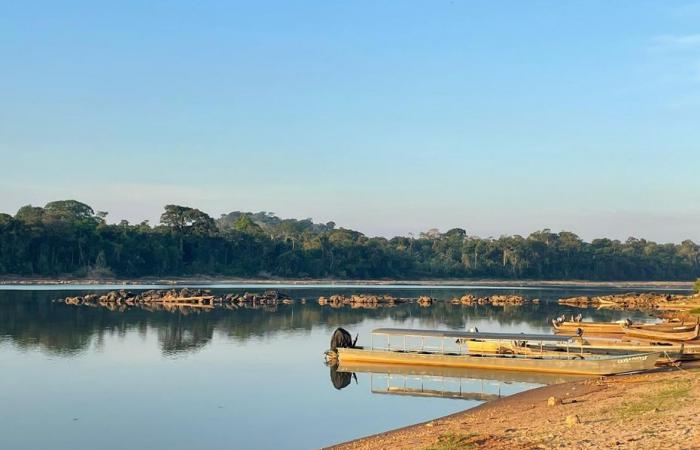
column 668, row 353
column 618, row 328
column 593, row 366
column 663, row 336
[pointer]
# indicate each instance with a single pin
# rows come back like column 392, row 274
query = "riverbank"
column 645, row 411
column 224, row 281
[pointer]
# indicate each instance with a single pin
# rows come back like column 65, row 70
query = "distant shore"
column 213, row 281
column 200, row 280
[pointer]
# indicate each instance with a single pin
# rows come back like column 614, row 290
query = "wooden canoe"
column 590, row 365
column 587, row 327
column 617, row 327
column 663, row 335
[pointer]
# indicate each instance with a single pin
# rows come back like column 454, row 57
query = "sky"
column 388, row 117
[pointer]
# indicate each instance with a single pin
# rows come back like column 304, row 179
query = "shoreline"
column 262, row 282
column 649, row 410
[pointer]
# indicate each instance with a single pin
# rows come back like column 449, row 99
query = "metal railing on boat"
column 460, row 338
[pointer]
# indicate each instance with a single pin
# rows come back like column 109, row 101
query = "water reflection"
column 341, row 379
column 442, row 382
column 30, row 319
column 445, row 375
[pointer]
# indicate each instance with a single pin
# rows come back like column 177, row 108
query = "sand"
column 657, row 410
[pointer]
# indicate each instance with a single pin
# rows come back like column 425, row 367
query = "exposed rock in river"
column 498, row 300
column 360, row 300
column 425, row 301
column 645, row 300
column 186, row 297
column 581, row 301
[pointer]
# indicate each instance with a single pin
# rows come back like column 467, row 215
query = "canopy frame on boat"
column 470, row 335
column 464, row 335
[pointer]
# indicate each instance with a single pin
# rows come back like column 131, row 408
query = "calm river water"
column 75, row 377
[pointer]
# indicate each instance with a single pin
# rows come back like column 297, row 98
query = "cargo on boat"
column 451, row 349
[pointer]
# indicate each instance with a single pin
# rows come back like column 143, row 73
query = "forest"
column 68, row 237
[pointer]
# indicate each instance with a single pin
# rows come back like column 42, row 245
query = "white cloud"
column 676, row 42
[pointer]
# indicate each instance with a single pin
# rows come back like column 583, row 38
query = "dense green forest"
column 69, row 237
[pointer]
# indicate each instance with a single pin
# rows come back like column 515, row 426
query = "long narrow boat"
column 663, row 335
column 619, row 327
column 588, row 327
column 670, row 352
column 564, row 362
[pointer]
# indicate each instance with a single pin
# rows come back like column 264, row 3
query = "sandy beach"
column 645, row 411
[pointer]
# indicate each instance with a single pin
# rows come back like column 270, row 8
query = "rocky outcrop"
column 360, row 300
column 580, row 301
column 180, row 298
column 645, row 300
column 500, row 300
column 497, row 300
column 425, row 301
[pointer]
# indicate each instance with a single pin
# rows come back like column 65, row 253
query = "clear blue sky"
column 386, row 117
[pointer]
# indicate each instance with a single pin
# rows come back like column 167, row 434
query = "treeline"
column 69, row 237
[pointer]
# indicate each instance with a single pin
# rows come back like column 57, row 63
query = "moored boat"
column 656, row 335
column 670, row 352
column 572, row 327
column 445, row 355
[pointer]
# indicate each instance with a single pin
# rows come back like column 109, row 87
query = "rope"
column 677, row 365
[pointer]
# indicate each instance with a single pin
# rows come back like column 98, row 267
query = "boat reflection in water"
column 443, row 382
column 341, row 379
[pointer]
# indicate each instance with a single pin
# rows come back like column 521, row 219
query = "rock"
column 572, row 420
column 507, row 300
column 553, row 401
column 467, row 299
column 580, row 301
column 645, row 300
column 72, row 300
column 425, row 301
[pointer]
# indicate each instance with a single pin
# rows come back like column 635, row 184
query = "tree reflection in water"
column 31, row 319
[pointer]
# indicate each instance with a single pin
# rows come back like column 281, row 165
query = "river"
column 90, row 377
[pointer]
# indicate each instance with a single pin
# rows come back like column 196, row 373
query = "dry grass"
column 665, row 399
column 454, row 441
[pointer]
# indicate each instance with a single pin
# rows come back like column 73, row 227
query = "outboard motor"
column 342, row 339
